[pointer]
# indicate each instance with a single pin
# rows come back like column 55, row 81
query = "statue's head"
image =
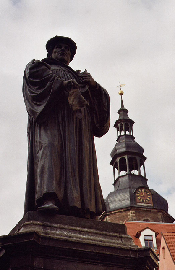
column 61, row 48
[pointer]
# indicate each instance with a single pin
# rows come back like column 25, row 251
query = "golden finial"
column 121, row 91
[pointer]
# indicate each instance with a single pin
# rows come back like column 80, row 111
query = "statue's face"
column 62, row 53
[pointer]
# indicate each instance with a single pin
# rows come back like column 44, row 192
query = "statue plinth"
column 52, row 242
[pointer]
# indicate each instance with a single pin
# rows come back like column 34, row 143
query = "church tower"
column 132, row 199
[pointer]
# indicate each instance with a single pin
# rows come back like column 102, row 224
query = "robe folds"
column 61, row 151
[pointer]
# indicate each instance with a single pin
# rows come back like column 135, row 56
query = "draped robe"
column 61, row 151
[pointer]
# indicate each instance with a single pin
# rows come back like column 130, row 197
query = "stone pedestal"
column 55, row 242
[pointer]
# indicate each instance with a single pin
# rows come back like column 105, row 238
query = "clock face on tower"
column 143, row 196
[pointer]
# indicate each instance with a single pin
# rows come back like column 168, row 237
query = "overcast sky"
column 126, row 41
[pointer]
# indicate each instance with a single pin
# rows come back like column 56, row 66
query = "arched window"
column 133, row 165
column 122, row 166
column 146, row 220
column 122, row 132
column 127, row 128
column 163, row 252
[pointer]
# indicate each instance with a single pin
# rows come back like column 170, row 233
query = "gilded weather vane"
column 121, row 93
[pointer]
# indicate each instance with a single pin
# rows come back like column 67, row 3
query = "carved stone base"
column 55, row 242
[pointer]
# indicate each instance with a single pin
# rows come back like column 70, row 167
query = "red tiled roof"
column 134, row 227
column 170, row 241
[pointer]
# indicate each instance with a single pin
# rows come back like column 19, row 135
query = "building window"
column 122, row 166
column 146, row 220
column 148, row 239
column 163, row 252
column 133, row 165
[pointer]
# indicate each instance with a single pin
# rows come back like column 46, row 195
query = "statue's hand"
column 70, row 84
column 86, row 78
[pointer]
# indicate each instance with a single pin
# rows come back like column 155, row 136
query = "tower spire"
column 127, row 155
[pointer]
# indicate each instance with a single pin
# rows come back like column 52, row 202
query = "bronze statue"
column 66, row 109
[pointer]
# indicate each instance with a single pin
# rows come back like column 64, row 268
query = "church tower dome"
column 132, row 199
column 127, row 155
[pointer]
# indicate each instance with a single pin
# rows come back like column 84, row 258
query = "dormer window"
column 148, row 238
